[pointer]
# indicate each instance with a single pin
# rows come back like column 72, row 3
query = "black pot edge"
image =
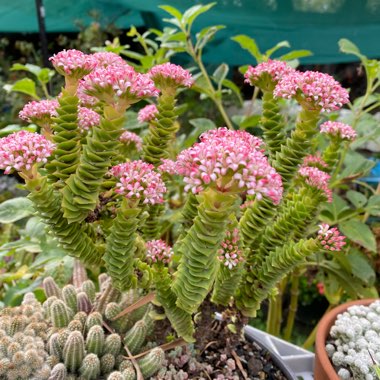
column 250, row 336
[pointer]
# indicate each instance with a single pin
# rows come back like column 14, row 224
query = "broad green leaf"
column 249, row 44
column 373, row 205
column 360, row 266
column 172, row 11
column 192, row 13
column 25, row 86
column 336, row 207
column 280, row 45
column 45, row 75
column 356, row 165
column 249, row 121
column 295, row 54
column 205, row 35
column 33, row 69
column 359, row 233
column 348, row 47
column 356, row 198
column 235, row 89
column 220, row 74
column 15, row 209
column 201, row 125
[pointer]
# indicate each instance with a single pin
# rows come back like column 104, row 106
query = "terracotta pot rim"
column 323, row 331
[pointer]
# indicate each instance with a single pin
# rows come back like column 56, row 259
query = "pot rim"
column 323, row 330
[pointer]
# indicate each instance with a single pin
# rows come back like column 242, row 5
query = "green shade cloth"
column 316, row 25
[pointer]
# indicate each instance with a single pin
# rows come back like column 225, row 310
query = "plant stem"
column 275, row 310
column 294, row 293
column 311, row 338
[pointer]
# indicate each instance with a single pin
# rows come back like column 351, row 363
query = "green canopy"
column 316, row 25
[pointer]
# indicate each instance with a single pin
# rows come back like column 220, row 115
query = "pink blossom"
column 115, row 84
column 39, row 112
column 270, row 71
column 147, row 113
column 314, row 160
column 321, row 288
column 73, row 63
column 317, row 178
column 330, row 238
column 338, row 129
column 84, row 99
column 170, row 75
column 107, row 58
column 138, row 180
column 130, row 137
column 313, row 90
column 168, row 166
column 230, row 253
column 231, row 161
column 21, row 150
column 87, row 119
column 159, row 251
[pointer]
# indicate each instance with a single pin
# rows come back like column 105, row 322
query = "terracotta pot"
column 323, row 369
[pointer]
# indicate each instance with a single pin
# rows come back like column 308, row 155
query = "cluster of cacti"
column 87, row 339
column 23, row 333
column 103, row 210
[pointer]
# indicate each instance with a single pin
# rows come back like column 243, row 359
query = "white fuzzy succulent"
column 355, row 337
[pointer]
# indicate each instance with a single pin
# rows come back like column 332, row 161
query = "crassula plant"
column 248, row 212
column 354, row 342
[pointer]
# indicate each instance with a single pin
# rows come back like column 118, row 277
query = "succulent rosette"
column 118, row 85
column 313, row 90
column 267, row 74
column 336, row 129
column 231, row 162
column 230, row 253
column 137, row 180
column 87, row 118
column 128, row 138
column 39, row 112
column 158, row 251
column 317, row 179
column 22, row 150
column 147, row 114
column 73, row 63
column 169, row 75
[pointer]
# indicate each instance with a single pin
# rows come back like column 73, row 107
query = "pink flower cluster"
column 73, row 63
column 274, row 70
column 87, row 119
column 314, row 160
column 147, row 113
column 317, row 178
column 84, row 99
column 330, row 238
column 39, row 112
column 21, row 150
column 168, row 166
column 231, row 161
column 170, row 75
column 107, row 58
column 338, row 129
column 120, row 82
column 130, row 137
column 138, row 180
column 313, row 90
column 159, row 251
column 230, row 253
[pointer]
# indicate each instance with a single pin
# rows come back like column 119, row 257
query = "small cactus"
column 95, row 340
column 112, row 344
column 107, row 363
column 115, row 376
column 135, row 337
column 51, row 288
column 59, row 314
column 59, row 372
column 90, row 368
column 129, row 374
column 69, row 295
column 152, row 362
column 89, row 288
column 83, row 303
column 73, row 352
column 94, row 319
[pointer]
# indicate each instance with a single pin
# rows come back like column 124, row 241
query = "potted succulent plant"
column 347, row 342
column 248, row 218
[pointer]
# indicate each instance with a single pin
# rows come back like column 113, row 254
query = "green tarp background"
column 316, row 25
